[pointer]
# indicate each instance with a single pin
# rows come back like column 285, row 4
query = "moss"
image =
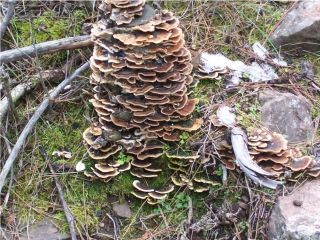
column 205, row 89
column 121, row 185
column 46, row 27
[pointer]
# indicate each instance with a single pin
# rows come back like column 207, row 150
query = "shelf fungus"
column 206, row 69
column 271, row 152
column 141, row 72
column 151, row 195
column 189, row 173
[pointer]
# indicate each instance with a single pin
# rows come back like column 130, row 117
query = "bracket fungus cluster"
column 196, row 180
column 207, row 70
column 151, row 195
column 271, row 152
column 140, row 76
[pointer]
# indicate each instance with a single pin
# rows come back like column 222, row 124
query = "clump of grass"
column 35, row 188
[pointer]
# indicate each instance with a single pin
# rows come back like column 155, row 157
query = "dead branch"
column 6, row 198
column 4, row 77
column 7, row 17
column 45, row 48
column 66, row 210
column 21, row 89
column 115, row 229
column 245, row 162
column 30, row 125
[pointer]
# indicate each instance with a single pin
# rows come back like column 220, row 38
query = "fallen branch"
column 36, row 116
column 245, row 162
column 21, row 89
column 241, row 152
column 4, row 77
column 115, row 229
column 45, row 48
column 7, row 17
column 6, row 198
column 66, row 210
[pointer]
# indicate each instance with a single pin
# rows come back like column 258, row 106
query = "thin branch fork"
column 45, row 48
column 7, row 17
column 66, row 210
column 33, row 120
column 4, row 76
column 21, row 89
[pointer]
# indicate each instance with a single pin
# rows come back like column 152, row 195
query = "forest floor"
column 225, row 27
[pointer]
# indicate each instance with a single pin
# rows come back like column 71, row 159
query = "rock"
column 300, row 28
column 287, row 114
column 315, row 151
column 290, row 220
column 307, row 69
column 122, row 209
column 45, row 229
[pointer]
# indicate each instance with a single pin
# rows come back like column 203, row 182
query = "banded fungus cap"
column 141, row 187
column 298, row 164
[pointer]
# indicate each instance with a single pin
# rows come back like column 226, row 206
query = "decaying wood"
column 30, row 125
column 4, row 77
column 241, row 152
column 45, row 48
column 66, row 210
column 7, row 17
column 245, row 162
column 6, row 198
column 21, row 89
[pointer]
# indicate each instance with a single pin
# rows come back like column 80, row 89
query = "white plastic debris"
column 280, row 62
column 225, row 116
column 213, row 62
column 260, row 50
column 255, row 72
column 64, row 154
column 238, row 70
column 263, row 53
column 80, row 166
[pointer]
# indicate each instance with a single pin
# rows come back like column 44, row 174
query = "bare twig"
column 45, row 48
column 7, row 17
column 115, row 230
column 21, row 89
column 30, row 125
column 4, row 77
column 6, row 198
column 190, row 211
column 66, row 210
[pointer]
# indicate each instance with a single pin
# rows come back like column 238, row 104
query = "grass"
column 208, row 25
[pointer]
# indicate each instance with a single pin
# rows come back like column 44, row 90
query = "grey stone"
column 122, row 209
column 287, row 114
column 300, row 29
column 291, row 221
column 45, row 229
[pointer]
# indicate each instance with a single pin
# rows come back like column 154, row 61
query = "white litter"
column 80, row 166
column 255, row 72
column 225, row 116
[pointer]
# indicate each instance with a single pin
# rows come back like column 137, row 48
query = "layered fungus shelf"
column 140, row 77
